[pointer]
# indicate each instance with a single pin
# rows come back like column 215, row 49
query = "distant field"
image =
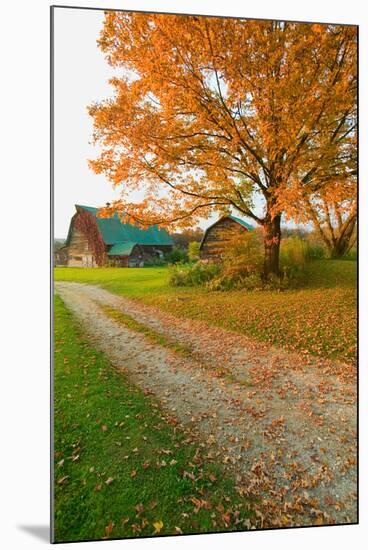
column 319, row 318
column 127, row 281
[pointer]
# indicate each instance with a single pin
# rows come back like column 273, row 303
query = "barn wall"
column 118, row 261
column 61, row 256
column 136, row 257
column 134, row 260
column 79, row 252
column 217, row 239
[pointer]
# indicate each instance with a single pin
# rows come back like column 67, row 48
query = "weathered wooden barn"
column 93, row 241
column 219, row 235
column 61, row 256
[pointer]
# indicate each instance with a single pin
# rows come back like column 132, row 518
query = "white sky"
column 81, row 77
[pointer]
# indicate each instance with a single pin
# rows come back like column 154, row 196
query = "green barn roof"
column 241, row 222
column 114, row 231
column 237, row 220
column 121, row 249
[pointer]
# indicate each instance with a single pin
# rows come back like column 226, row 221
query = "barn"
column 61, row 256
column 218, row 235
column 93, row 241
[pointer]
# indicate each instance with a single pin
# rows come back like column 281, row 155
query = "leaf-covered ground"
column 284, row 423
column 319, row 318
column 123, row 468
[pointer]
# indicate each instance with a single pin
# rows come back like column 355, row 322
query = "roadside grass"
column 157, row 338
column 153, row 336
column 319, row 318
column 134, row 282
column 122, row 467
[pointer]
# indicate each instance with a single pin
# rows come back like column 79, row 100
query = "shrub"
column 293, row 252
column 315, row 251
column 244, row 252
column 176, row 256
column 193, row 251
column 178, row 275
column 351, row 255
column 242, row 264
column 155, row 261
column 235, row 281
column 197, row 274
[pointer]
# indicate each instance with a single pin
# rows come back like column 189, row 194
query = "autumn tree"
column 186, row 236
column 209, row 113
column 334, row 218
column 331, row 203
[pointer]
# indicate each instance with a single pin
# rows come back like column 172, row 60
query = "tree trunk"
column 272, row 239
column 344, row 240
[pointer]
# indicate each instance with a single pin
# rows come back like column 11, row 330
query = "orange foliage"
column 207, row 111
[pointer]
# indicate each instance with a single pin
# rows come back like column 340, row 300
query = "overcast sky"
column 81, row 77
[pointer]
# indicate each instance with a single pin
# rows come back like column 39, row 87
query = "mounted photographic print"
column 204, row 178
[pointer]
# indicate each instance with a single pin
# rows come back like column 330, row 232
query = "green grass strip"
column 122, row 468
column 183, row 350
column 128, row 321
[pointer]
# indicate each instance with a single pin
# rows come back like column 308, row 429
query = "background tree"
column 335, row 218
column 193, row 251
column 332, row 207
column 210, row 112
column 186, row 236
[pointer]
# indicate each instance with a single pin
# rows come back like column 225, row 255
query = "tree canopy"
column 210, row 112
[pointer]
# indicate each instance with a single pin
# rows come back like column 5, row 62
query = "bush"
column 155, row 261
column 242, row 264
column 351, row 255
column 315, row 251
column 293, row 252
column 176, row 256
column 193, row 251
column 236, row 281
column 197, row 274
column 244, row 253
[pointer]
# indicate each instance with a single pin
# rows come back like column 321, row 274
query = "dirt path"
column 285, row 424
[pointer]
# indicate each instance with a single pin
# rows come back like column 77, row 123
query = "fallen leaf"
column 158, row 525
column 108, row 529
column 62, row 480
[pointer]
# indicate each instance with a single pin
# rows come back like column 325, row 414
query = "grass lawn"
column 319, row 318
column 122, row 469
